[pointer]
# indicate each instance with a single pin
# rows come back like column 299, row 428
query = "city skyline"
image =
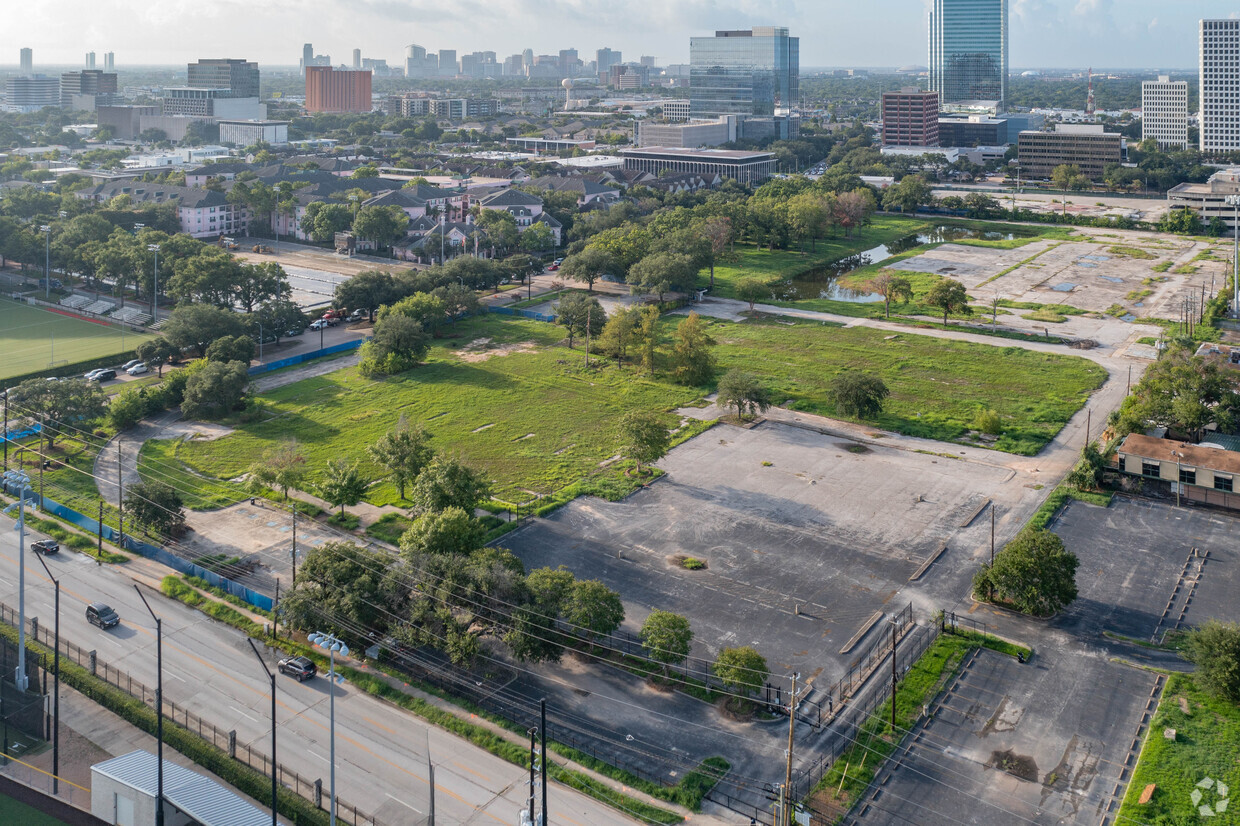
column 1137, row 34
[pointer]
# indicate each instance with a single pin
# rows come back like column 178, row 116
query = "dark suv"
column 299, row 667
column 102, row 615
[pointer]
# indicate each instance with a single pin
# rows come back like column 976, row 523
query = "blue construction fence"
column 304, row 357
column 12, row 483
column 21, row 434
column 522, row 313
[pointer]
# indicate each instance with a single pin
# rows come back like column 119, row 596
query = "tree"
column 581, row 314
column 381, row 225
column 342, row 587
column 1033, row 572
column 404, row 452
column 399, row 344
column 718, row 233
column 593, row 607
column 644, row 438
column 534, row 635
column 1182, row 220
column 752, row 290
column 211, row 276
column 424, row 308
column 277, row 317
column 127, row 408
column 693, row 360
column 257, row 283
column 367, row 291
column 662, row 272
column 447, row 483
column 322, row 220
column 666, row 638
column 458, row 300
column 197, row 325
column 342, row 484
column 283, row 467
column 911, row 193
column 950, row 297
column 891, row 286
column 58, row 406
column 231, row 348
column 537, row 237
column 155, row 506
column 743, row 391
column 619, row 333
column 858, row 394
column 1181, row 392
column 449, row 531
column 1215, row 649
column 853, row 209
column 648, row 338
column 587, row 266
column 742, row 669
column 215, row 390
column 156, row 353
column 1087, row 473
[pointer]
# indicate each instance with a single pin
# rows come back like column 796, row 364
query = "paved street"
column 209, row 668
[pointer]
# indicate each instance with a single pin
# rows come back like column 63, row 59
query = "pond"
column 822, row 282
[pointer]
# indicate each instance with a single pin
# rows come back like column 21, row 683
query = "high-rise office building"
column 1220, row 85
column 30, row 93
column 969, row 51
column 27, row 61
column 109, row 61
column 307, row 56
column 90, row 60
column 447, row 63
column 337, row 90
column 649, row 61
column 910, row 118
column 239, row 77
column 1164, row 112
column 744, row 72
column 357, row 58
column 98, row 87
column 604, row 59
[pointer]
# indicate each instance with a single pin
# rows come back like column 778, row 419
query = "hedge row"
column 74, row 370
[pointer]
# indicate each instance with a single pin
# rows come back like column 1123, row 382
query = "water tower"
column 567, row 83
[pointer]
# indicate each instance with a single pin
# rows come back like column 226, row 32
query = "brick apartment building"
column 329, row 89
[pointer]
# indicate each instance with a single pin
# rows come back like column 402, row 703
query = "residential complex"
column 1085, row 145
column 1220, row 85
column 969, row 51
column 911, row 118
column 203, row 213
column 337, row 90
column 748, row 72
column 1164, row 112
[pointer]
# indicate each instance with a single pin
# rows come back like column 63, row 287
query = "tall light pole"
column 46, row 229
column 23, row 486
column 274, row 766
column 332, row 645
column 56, row 694
column 1178, row 474
column 155, row 289
column 1234, row 202
column 159, row 707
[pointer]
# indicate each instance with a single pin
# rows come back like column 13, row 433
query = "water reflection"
column 822, row 282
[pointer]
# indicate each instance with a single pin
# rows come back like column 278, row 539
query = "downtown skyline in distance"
column 1105, row 34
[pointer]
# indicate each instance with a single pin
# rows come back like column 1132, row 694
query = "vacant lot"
column 498, row 395
column 937, row 386
column 32, row 338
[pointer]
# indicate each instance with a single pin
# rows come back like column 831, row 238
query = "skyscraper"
column 239, row 77
column 447, row 63
column 744, row 72
column 969, row 51
column 604, row 59
column 27, row 61
column 1164, row 112
column 98, row 86
column 1220, row 85
column 337, row 90
column 109, row 61
column 357, row 58
column 90, row 60
column 307, row 56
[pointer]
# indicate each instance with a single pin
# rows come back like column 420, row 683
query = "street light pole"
column 56, row 694
column 23, row 485
column 1178, row 474
column 1234, row 202
column 159, row 707
column 332, row 644
column 155, row 291
column 47, row 261
column 274, row 770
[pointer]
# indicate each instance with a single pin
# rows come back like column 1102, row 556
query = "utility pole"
column 274, row 766
column 542, row 729
column 56, row 690
column 894, row 640
column 785, row 810
column 159, row 706
column 992, row 534
column 293, row 555
column 6, row 431
column 120, row 498
column 530, row 806
column 1089, row 424
column 99, row 538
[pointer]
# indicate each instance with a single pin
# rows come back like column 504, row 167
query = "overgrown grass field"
column 937, row 386
column 33, row 338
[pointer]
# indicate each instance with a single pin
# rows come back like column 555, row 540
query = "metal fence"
column 267, row 367
column 522, row 313
column 43, row 782
column 311, row 790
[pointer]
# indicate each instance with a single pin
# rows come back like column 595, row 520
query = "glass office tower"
column 744, row 72
column 969, row 50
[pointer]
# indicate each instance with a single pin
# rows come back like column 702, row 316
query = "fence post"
column 34, row 628
column 318, row 793
column 93, row 661
column 232, row 744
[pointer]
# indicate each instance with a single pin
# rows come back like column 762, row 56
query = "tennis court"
column 35, row 338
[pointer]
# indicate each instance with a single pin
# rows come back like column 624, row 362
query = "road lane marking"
column 403, row 803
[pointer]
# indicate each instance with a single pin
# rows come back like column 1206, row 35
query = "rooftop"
column 201, row 798
column 1189, row 455
column 711, row 154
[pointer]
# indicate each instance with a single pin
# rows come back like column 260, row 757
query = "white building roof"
column 201, row 798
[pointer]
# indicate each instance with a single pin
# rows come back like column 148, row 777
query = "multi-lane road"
column 381, row 751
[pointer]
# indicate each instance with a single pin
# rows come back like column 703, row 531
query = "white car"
column 138, row 369
column 130, row 363
column 318, row 324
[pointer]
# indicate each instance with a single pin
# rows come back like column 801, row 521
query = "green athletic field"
column 34, row 338
column 13, row 812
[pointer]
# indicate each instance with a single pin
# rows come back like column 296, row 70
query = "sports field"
column 34, row 338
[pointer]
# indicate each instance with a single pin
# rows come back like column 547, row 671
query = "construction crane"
column 1091, row 105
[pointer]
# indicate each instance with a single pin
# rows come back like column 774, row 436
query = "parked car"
column 295, row 331
column 558, row 261
column 299, row 667
column 47, row 547
column 553, row 268
column 97, row 613
column 103, row 375
column 131, row 363
column 91, row 375
column 358, row 315
column 319, row 324
column 331, row 322
column 138, row 369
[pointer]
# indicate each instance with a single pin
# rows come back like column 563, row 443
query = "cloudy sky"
column 1045, row 33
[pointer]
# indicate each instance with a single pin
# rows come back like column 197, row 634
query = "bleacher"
column 99, row 307
column 75, row 302
column 131, row 315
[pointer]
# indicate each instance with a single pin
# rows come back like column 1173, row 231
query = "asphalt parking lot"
column 1044, row 742
column 1133, row 556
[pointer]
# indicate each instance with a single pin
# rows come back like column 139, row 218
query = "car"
column 102, row 376
column 558, row 261
column 358, row 315
column 294, row 331
column 97, row 613
column 138, row 369
column 91, row 375
column 300, row 667
column 47, row 547
column 318, row 324
column 131, row 363
column 553, row 268
column 331, row 322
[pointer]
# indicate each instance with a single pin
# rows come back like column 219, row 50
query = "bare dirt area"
column 481, row 349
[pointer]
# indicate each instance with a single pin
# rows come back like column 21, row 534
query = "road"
column 209, row 668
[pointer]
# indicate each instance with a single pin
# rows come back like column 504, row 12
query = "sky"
column 1044, row 33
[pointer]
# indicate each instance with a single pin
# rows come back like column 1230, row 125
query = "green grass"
column 1162, row 266
column 34, row 338
column 1046, row 316
column 937, row 386
column 1058, row 309
column 1060, row 497
column 1205, row 746
column 1186, row 269
column 389, row 528
column 482, row 411
column 12, row 811
column 1132, row 252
